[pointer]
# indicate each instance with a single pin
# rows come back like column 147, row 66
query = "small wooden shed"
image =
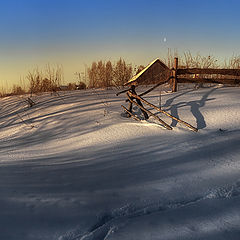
column 155, row 72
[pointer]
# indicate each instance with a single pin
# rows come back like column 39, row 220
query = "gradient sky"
column 76, row 32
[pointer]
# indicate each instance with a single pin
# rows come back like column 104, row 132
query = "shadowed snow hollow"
column 73, row 167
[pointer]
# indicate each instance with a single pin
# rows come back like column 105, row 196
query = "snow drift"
column 73, row 167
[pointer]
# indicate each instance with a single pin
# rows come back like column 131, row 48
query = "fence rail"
column 158, row 70
column 232, row 72
column 178, row 77
column 209, row 80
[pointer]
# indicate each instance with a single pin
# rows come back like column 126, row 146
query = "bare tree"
column 92, row 74
column 101, row 76
column 109, row 74
column 47, row 80
column 122, row 72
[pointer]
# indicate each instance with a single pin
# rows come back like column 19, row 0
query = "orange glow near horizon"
column 76, row 33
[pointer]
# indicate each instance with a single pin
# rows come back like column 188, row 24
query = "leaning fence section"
column 159, row 73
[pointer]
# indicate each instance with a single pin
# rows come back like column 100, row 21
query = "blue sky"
column 75, row 32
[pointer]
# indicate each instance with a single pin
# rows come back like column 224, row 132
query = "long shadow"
column 170, row 100
column 194, row 107
column 174, row 112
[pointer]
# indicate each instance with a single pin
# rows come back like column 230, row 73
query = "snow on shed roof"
column 136, row 77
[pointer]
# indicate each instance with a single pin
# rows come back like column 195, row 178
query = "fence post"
column 174, row 82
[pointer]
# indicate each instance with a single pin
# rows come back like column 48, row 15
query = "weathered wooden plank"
column 233, row 72
column 174, row 72
column 131, row 114
column 209, row 80
column 152, row 88
column 150, row 113
column 138, row 101
column 164, row 112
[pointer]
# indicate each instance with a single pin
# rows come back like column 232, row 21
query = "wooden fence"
column 215, row 75
column 158, row 72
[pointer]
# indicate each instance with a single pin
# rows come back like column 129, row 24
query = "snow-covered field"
column 73, row 167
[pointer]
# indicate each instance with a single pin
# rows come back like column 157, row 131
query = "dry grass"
column 102, row 74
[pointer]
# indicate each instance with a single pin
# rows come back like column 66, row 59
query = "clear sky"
column 76, row 32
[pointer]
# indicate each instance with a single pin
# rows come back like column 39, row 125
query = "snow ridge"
column 110, row 222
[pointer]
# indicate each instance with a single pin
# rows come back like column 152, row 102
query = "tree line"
column 50, row 79
column 107, row 74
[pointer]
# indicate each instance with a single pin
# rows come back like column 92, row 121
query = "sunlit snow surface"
column 73, row 167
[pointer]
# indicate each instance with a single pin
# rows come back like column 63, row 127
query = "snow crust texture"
column 74, row 167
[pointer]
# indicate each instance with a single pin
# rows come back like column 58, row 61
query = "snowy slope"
column 73, row 167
